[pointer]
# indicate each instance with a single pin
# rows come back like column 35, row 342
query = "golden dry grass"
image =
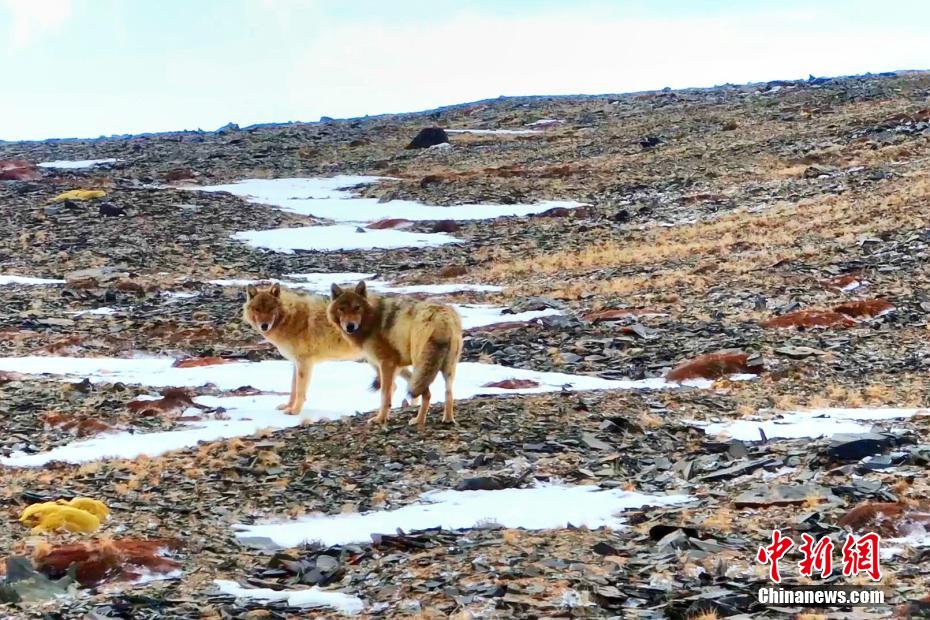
column 736, row 244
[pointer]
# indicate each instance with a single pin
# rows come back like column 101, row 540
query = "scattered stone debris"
column 710, row 214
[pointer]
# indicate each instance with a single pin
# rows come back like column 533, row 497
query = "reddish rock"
column 432, row 179
column 810, row 318
column 453, row 271
column 390, row 223
column 106, row 560
column 864, row 308
column 714, row 366
column 885, row 518
column 513, row 384
column 172, row 402
column 445, row 226
column 846, row 282
column 555, row 212
column 129, row 286
column 78, row 425
column 197, row 362
column 179, row 174
column 7, row 376
column 18, row 170
column 62, row 346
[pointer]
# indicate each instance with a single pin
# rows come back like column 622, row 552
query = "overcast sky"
column 83, row 68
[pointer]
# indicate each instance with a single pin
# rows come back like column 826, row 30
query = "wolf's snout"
column 265, row 326
column 351, row 328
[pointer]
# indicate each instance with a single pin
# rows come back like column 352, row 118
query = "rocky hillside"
column 783, row 224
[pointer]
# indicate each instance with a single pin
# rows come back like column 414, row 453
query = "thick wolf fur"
column 395, row 332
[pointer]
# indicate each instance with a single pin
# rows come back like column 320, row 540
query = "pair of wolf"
column 392, row 333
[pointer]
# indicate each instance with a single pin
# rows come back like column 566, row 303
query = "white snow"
column 331, row 198
column 311, row 597
column 339, row 237
column 810, row 424
column 337, row 389
column 545, row 122
column 491, row 132
column 321, row 283
column 27, row 280
column 65, row 164
column 321, row 198
column 148, row 576
column 180, row 294
column 474, row 315
column 539, row 508
column 96, row 312
column 280, row 192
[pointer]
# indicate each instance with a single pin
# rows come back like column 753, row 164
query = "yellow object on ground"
column 80, row 194
column 87, row 504
column 81, row 514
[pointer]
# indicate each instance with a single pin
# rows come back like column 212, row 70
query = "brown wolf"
column 395, row 332
column 297, row 325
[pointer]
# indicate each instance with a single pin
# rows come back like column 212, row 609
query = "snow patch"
column 474, row 315
column 332, row 198
column 337, row 390
column 76, row 164
column 539, row 508
column 311, row 597
column 339, row 237
column 326, row 198
column 180, row 294
column 28, row 281
column 810, row 424
column 491, row 132
column 96, row 312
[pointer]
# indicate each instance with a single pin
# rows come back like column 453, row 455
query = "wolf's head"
column 263, row 308
column 348, row 309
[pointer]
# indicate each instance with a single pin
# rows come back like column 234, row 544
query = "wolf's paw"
column 377, row 419
column 284, row 407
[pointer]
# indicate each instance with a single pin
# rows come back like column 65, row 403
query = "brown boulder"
column 390, row 223
column 714, row 366
column 885, row 518
column 864, row 308
column 18, row 170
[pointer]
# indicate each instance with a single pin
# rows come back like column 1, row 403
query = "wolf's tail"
column 433, row 358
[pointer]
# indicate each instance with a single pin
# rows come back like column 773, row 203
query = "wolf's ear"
column 251, row 291
column 335, row 291
column 360, row 289
column 275, row 290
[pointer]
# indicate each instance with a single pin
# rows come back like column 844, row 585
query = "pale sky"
column 84, row 68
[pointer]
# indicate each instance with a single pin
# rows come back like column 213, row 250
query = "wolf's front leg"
column 290, row 401
column 386, row 372
column 304, row 370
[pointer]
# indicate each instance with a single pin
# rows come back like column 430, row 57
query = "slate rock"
column 428, row 136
